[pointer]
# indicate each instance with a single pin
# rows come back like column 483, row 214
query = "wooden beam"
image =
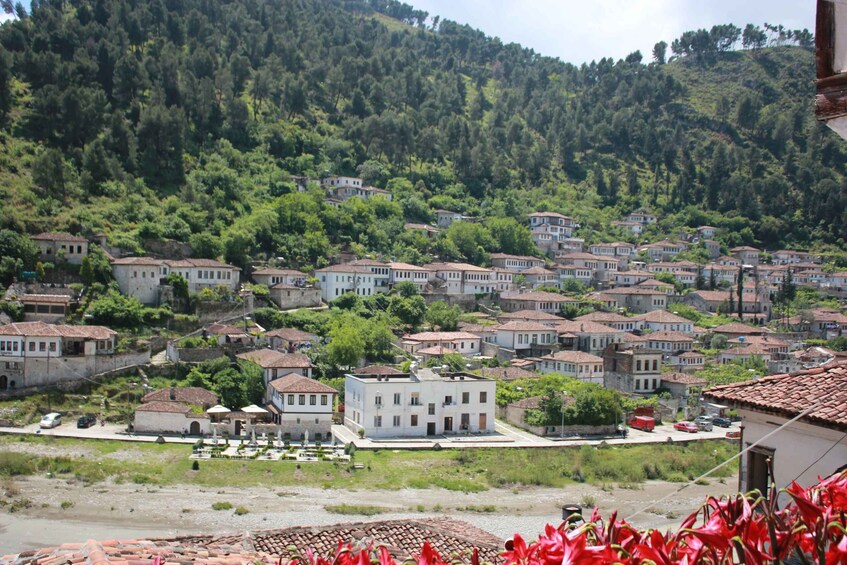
column 825, row 38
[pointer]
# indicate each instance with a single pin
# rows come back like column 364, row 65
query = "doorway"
column 4, row 382
column 430, row 428
column 758, row 473
column 238, row 427
column 448, row 424
column 194, row 429
column 483, row 422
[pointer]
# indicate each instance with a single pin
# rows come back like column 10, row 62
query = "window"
column 414, row 419
column 396, row 399
column 52, row 346
column 32, row 346
column 431, row 409
column 638, row 365
column 323, row 400
column 396, row 421
column 415, row 400
column 655, row 384
column 483, row 397
column 313, row 399
column 448, row 400
column 302, row 400
column 378, row 400
column 655, row 364
column 377, row 421
column 466, row 398
column 291, row 399
column 637, row 384
column 42, row 346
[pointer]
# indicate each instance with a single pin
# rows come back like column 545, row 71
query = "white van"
column 51, row 420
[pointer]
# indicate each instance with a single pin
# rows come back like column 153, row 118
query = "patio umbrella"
column 218, row 409
column 252, row 411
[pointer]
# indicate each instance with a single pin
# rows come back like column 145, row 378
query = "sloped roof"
column 663, row 317
column 440, row 336
column 823, row 390
column 58, row 236
column 737, row 328
column 507, row 373
column 669, row 336
column 295, row 383
column 170, row 407
column 530, row 315
column 574, row 357
column 578, row 327
column 189, row 394
column 279, row 272
column 536, row 296
column 40, row 329
column 292, row 334
column 604, row 318
column 270, row 359
column 518, row 326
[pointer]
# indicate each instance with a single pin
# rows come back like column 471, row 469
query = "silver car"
column 704, row 423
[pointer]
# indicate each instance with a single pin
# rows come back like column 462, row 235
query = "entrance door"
column 483, row 422
column 448, row 423
column 194, row 428
column 4, row 382
column 430, row 428
column 758, row 474
column 238, row 427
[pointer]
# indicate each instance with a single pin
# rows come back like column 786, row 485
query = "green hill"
column 186, row 119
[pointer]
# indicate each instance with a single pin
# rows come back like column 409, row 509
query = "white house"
column 558, row 226
column 526, row 336
column 275, row 365
column 664, row 321
column 536, row 300
column 515, row 262
column 446, row 217
column 58, row 247
column 301, row 405
column 746, row 254
column 336, row 280
column 404, row 272
column 801, row 451
column 38, row 354
column 270, row 277
column 576, row 364
column 175, row 410
column 463, row 343
column 141, row 277
column 380, row 270
column 418, row 404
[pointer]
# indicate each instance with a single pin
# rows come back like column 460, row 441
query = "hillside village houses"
column 303, row 406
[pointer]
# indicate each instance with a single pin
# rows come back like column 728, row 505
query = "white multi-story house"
column 275, row 365
column 380, row 270
column 636, row 228
column 463, row 343
column 344, row 188
column 504, row 279
column 576, row 364
column 664, row 321
column 446, row 217
column 792, row 257
column 516, row 263
column 558, row 226
column 419, row 404
column 524, row 337
column 630, row 278
column 641, row 217
column 539, row 276
column 746, row 254
column 707, row 232
column 591, row 337
column 670, row 342
column 404, row 272
column 58, row 247
column 39, row 354
column 301, row 406
column 336, row 280
column 269, row 277
column 637, row 300
column 585, row 275
column 620, row 323
column 536, row 300
column 571, row 245
column 141, row 277
column 664, row 250
column 619, row 251
column 446, row 279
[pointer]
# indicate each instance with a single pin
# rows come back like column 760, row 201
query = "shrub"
column 241, row 511
column 66, row 504
column 221, row 506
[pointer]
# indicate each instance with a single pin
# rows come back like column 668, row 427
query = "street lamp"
column 378, row 404
column 562, row 430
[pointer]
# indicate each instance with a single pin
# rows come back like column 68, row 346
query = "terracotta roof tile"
column 295, row 383
column 190, row 394
column 536, row 296
column 507, row 373
column 292, row 334
column 57, row 330
column 573, row 357
column 790, row 394
column 270, row 359
column 518, row 326
column 59, row 236
column 530, row 315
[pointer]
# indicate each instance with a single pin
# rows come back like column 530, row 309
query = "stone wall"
column 208, row 312
column 488, row 349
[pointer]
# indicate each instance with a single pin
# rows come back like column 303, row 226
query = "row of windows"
column 416, row 401
column 313, row 399
column 647, row 364
column 545, row 338
column 8, row 346
column 572, row 368
column 70, row 249
column 646, row 384
column 395, row 421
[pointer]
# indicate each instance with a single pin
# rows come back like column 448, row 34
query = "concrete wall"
column 288, row 299
column 169, row 422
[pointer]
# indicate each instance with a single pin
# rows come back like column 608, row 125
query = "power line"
column 734, row 457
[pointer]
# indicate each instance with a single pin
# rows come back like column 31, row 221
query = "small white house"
column 419, row 404
column 526, row 336
column 576, row 364
column 301, row 405
column 58, row 247
column 340, row 279
column 275, row 364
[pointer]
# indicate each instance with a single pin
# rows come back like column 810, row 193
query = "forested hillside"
column 185, row 119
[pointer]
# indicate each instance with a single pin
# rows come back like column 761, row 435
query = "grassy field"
column 457, row 470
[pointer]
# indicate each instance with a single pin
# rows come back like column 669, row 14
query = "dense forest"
column 185, row 119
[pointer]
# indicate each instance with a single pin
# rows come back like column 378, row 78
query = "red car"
column 686, row 427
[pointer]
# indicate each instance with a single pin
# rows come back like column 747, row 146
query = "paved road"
column 505, row 435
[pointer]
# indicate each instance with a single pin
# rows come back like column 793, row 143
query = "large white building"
column 301, row 405
column 336, row 280
column 420, row 403
column 141, row 277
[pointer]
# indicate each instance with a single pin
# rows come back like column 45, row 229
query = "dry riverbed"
column 66, row 510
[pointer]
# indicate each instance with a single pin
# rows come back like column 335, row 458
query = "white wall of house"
column 589, row 372
column 168, row 422
column 520, row 340
column 403, row 408
column 801, row 451
column 333, row 284
column 140, row 281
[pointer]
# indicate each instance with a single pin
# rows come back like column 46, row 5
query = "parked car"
column 704, row 423
column 86, row 421
column 51, row 420
column 690, row 427
column 722, row 422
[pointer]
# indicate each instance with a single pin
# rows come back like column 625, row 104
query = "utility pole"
column 49, row 406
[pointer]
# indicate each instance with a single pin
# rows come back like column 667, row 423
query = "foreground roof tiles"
column 270, row 359
column 403, row 538
column 40, row 329
column 295, row 383
column 189, row 394
column 790, row 394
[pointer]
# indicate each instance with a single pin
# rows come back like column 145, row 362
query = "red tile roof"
column 663, row 317
column 536, row 296
column 270, row 359
column 44, row 298
column 573, row 357
column 736, row 328
column 518, row 326
column 279, row 272
column 669, row 336
column 40, row 329
column 58, row 236
column 530, row 315
column 173, row 407
column 189, row 394
column 292, row 334
column 823, row 389
column 507, row 373
column 604, row 318
column 440, row 336
column 579, row 327
column 298, row 383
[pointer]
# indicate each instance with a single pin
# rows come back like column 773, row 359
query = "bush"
column 241, row 511
column 221, row 506
column 66, row 504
